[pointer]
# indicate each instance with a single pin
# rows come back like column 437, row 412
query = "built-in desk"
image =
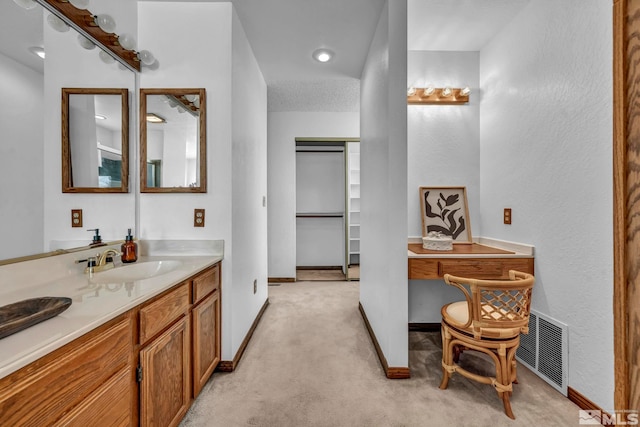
column 488, row 259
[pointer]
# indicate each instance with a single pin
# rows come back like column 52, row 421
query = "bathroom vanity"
column 126, row 352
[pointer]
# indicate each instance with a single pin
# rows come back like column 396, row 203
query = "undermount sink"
column 138, row 271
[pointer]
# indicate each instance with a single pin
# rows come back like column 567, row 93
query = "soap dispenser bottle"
column 129, row 249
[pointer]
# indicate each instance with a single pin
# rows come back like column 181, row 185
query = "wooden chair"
column 490, row 321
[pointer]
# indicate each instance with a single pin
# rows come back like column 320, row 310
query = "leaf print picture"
column 444, row 210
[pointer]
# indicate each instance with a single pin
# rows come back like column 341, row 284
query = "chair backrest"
column 497, row 303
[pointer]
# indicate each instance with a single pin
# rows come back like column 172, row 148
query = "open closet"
column 327, row 209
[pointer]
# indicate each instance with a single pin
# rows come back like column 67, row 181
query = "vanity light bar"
column 83, row 22
column 433, row 95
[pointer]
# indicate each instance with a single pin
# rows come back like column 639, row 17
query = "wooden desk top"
column 466, row 260
column 459, row 249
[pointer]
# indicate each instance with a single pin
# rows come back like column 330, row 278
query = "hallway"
column 311, row 362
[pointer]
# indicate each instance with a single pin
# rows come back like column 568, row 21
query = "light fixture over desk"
column 434, row 95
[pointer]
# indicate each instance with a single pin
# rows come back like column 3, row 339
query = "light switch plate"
column 198, row 217
column 76, row 217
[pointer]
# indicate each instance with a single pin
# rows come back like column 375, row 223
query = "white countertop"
column 92, row 305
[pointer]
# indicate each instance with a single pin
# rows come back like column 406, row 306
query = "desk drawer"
column 479, row 268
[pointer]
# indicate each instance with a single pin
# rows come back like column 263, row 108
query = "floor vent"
column 545, row 350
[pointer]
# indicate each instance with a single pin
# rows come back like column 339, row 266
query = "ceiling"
column 284, row 33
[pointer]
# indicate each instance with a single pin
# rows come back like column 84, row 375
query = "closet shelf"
column 320, row 215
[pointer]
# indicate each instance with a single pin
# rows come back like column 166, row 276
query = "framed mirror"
column 173, row 141
column 95, row 140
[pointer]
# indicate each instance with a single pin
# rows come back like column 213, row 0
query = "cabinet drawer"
column 111, row 404
column 162, row 312
column 41, row 392
column 479, row 268
column 206, row 282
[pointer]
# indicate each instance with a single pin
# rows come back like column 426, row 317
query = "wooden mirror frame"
column 202, row 149
column 67, row 176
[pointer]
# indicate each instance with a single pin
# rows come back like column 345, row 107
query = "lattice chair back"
column 497, row 308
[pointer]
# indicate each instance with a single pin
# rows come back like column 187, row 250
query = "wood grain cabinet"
column 165, row 394
column 91, row 378
column 95, row 380
column 206, row 320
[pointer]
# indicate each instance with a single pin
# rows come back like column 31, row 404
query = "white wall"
column 546, row 143
column 21, row 159
column 220, row 60
column 383, row 180
column 167, row 29
column 443, row 150
column 283, row 128
column 249, row 185
column 69, row 65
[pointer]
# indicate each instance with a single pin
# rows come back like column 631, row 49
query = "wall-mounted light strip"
column 433, row 95
column 83, row 21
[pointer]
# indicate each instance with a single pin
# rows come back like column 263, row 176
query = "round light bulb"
column 196, row 102
column 127, row 41
column 57, row 24
column 322, row 55
column 411, row 91
column 105, row 57
column 446, row 91
column 26, row 4
column 146, row 57
column 85, row 42
column 429, row 91
column 79, row 4
column 106, row 23
column 191, row 98
column 465, row 91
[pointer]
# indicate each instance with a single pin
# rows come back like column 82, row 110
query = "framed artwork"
column 445, row 210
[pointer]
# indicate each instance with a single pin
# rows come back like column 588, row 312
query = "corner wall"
column 193, row 44
column 383, row 180
column 249, row 186
column 546, row 152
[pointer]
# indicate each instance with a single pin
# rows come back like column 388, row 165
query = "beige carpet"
column 311, row 363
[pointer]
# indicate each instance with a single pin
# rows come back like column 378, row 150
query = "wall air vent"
column 545, row 350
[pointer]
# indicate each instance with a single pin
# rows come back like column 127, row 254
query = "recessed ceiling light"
column 322, row 55
column 154, row 118
column 100, row 117
column 37, row 50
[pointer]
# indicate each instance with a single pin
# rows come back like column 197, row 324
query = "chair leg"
column 446, row 357
column 507, row 405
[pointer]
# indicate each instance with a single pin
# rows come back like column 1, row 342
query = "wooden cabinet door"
column 165, row 393
column 206, row 340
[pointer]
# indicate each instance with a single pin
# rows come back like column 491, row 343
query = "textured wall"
column 383, row 181
column 249, row 186
column 170, row 216
column 443, row 150
column 546, row 141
